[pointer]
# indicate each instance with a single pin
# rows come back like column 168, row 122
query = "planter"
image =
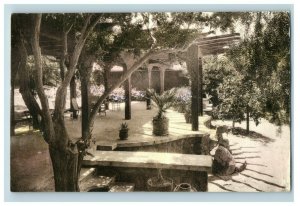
column 184, row 187
column 156, row 184
column 161, row 126
column 123, row 134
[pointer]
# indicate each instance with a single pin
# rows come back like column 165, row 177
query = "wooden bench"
column 144, row 164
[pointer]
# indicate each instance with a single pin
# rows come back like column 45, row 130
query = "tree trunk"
column 15, row 60
column 65, row 155
column 12, row 107
column 73, row 95
column 247, row 119
column 85, row 74
column 106, row 83
column 25, row 90
column 65, row 169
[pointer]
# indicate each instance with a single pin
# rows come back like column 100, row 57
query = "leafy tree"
column 261, row 84
column 216, row 69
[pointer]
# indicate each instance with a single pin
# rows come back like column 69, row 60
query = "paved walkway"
column 106, row 128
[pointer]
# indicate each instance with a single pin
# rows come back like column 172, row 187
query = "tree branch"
column 62, row 89
column 48, row 124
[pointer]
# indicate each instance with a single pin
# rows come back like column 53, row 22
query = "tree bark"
column 106, row 84
column 25, row 90
column 247, row 119
column 15, row 60
column 65, row 168
column 73, row 95
column 65, row 154
column 85, row 73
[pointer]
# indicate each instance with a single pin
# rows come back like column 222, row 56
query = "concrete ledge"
column 150, row 160
column 157, row 140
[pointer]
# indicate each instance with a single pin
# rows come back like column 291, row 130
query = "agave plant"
column 163, row 101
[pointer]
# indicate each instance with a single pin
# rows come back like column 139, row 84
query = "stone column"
column 162, row 71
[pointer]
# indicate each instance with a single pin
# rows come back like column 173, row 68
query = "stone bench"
column 136, row 167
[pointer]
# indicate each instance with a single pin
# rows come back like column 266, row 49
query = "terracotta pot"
column 160, row 127
column 123, row 134
column 184, row 187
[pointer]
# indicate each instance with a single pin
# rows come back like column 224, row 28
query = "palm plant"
column 163, row 101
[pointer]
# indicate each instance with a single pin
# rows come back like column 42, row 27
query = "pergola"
column 193, row 56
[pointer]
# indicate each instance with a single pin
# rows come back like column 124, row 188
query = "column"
column 148, row 100
column 193, row 68
column 162, row 79
column 200, row 87
column 127, row 88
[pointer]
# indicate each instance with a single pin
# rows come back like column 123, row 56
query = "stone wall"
column 188, row 145
column 139, row 176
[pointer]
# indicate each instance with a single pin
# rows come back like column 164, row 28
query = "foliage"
column 124, row 126
column 163, row 101
column 260, row 83
column 50, row 70
column 137, row 95
column 215, row 70
column 183, row 100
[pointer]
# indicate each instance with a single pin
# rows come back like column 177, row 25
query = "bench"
column 25, row 117
column 136, row 167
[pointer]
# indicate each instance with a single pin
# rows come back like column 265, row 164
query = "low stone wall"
column 193, row 144
column 139, row 176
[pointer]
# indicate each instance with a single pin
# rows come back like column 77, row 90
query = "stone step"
column 97, row 183
column 86, row 173
column 122, row 187
column 232, row 186
column 256, row 184
column 212, row 187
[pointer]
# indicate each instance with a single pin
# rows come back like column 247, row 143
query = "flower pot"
column 156, row 184
column 160, row 126
column 184, row 187
column 123, row 134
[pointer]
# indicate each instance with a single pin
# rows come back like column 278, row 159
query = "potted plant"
column 160, row 183
column 123, row 132
column 163, row 102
